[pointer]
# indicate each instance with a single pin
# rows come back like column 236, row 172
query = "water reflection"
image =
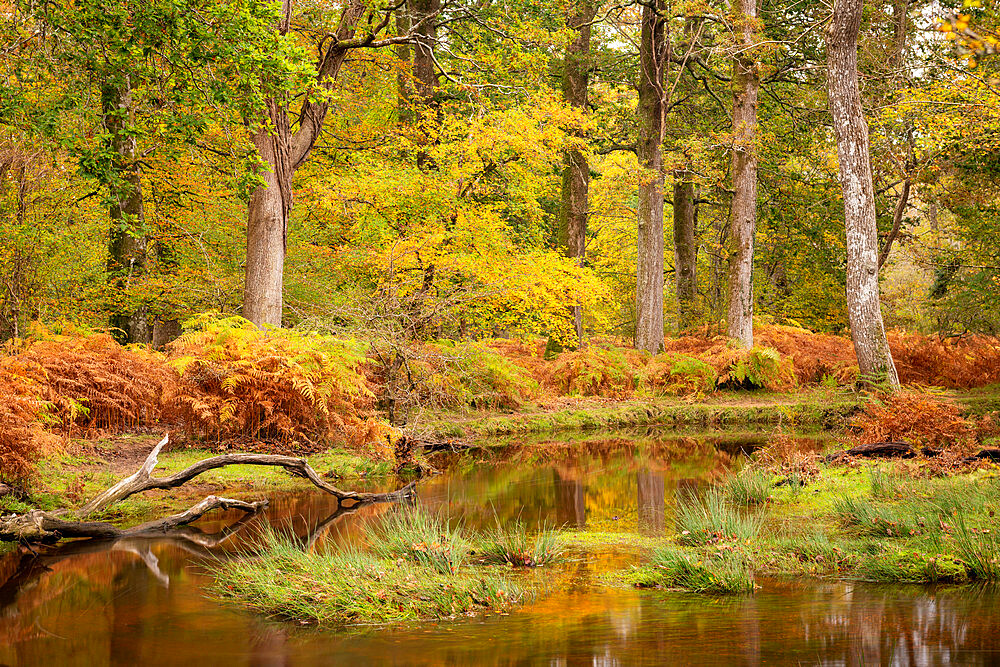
column 147, row 601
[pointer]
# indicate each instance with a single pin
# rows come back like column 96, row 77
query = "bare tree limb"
column 41, row 526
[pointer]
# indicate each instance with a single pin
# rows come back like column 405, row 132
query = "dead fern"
column 916, row 418
column 303, row 391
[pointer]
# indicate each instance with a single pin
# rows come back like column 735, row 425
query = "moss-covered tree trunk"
column 127, row 239
column 685, row 248
column 743, row 212
column 576, row 171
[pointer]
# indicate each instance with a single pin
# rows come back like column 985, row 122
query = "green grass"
column 712, row 518
column 979, row 549
column 725, row 573
column 751, row 486
column 423, row 538
column 350, row 586
column 512, row 545
column 817, row 406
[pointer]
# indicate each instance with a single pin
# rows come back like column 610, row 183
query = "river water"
column 146, row 601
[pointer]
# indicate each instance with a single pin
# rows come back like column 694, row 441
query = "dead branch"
column 41, row 526
column 143, row 481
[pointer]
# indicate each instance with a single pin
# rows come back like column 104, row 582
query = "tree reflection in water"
column 144, row 601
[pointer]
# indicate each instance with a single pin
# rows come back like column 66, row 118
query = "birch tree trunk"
column 576, row 171
column 649, row 238
column 743, row 212
column 126, row 236
column 685, row 248
column 851, row 131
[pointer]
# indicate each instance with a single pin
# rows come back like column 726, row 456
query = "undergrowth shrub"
column 450, row 374
column 916, row 418
column 20, row 432
column 679, row 375
column 80, row 385
column 594, row 371
column 303, row 390
column 956, row 362
column 92, row 384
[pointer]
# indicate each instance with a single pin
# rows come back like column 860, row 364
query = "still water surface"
column 144, row 601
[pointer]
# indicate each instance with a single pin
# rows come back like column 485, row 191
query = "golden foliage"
column 959, row 362
column 302, row 391
column 90, row 384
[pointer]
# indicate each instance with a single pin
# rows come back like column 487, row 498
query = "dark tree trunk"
column 685, row 248
column 651, row 110
column 576, row 172
column 423, row 19
column 743, row 214
column 127, row 237
column 851, row 131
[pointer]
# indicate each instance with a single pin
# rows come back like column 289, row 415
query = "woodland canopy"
column 443, row 169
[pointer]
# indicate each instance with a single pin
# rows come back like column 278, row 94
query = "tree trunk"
column 851, row 131
column 685, row 248
column 423, row 20
column 267, row 224
column 576, row 172
column 283, row 152
column 126, row 237
column 743, row 214
column 649, row 238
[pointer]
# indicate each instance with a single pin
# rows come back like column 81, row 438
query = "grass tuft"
column 721, row 574
column 751, row 486
column 350, row 586
column 422, row 538
column 512, row 545
column 713, row 519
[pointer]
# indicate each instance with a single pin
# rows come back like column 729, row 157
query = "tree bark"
column 649, row 239
column 422, row 17
column 576, row 171
column 685, row 248
column 267, row 223
column 282, row 152
column 126, row 236
column 743, row 213
column 851, row 131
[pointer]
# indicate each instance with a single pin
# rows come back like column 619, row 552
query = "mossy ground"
column 826, row 408
column 873, row 522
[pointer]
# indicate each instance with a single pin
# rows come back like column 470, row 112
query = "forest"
column 722, row 277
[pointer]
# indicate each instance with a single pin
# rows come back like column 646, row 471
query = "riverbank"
column 881, row 522
column 810, row 407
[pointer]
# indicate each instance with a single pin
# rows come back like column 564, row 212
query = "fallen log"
column 42, row 526
column 988, row 454
column 877, row 450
